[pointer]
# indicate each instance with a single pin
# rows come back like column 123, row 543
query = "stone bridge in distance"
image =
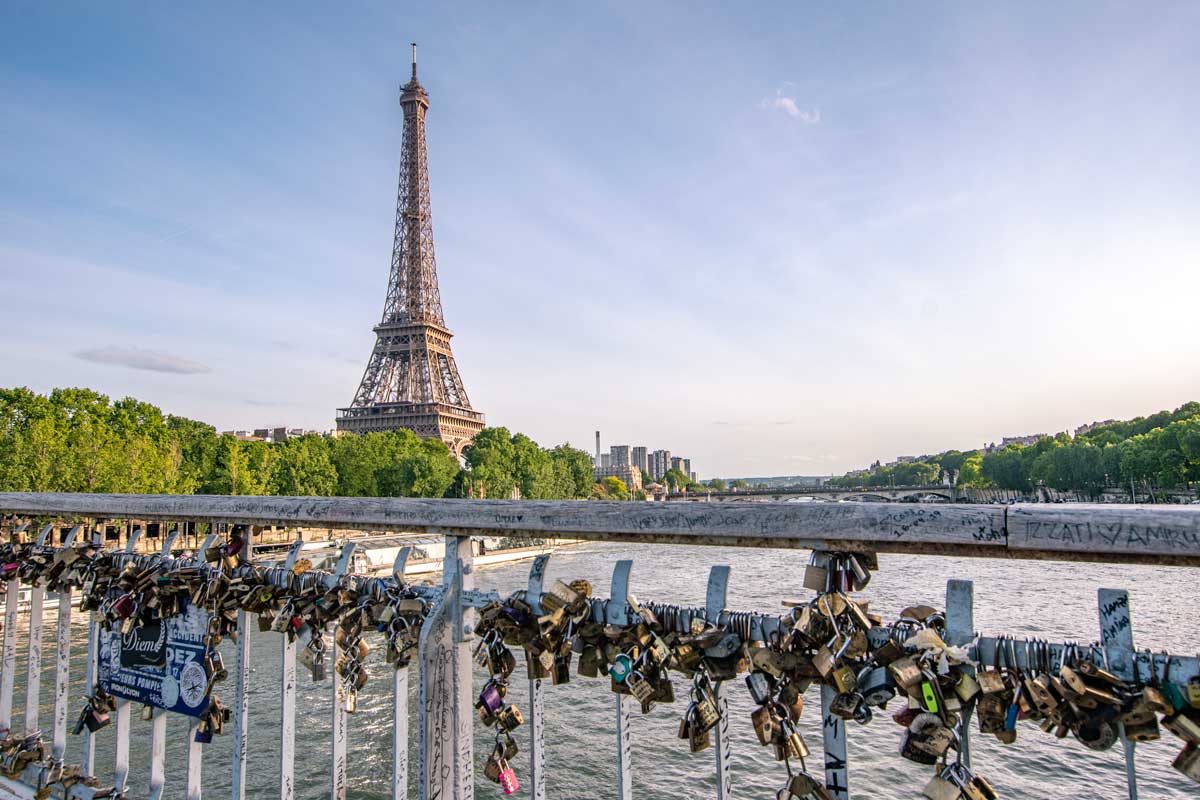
column 894, row 493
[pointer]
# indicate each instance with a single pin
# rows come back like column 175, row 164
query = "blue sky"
column 779, row 238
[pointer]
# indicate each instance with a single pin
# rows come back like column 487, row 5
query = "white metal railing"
column 444, row 659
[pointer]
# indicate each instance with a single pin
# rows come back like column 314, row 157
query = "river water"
column 1048, row 599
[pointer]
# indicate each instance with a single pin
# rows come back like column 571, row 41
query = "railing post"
column 158, row 725
column 833, row 727
column 287, row 696
column 446, row 744
column 195, row 748
column 537, row 732
column 1116, row 637
column 62, row 663
column 241, row 702
column 33, row 671
column 617, row 613
column 121, row 762
column 8, row 662
column 88, row 759
column 714, row 604
column 337, row 788
column 400, row 702
column 960, row 631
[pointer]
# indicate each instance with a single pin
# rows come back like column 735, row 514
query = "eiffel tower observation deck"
column 411, row 380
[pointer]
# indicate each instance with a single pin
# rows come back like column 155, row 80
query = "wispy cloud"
column 787, row 104
column 137, row 358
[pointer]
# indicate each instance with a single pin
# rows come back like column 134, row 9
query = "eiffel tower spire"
column 411, row 380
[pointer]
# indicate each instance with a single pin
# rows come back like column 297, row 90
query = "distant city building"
column 660, row 463
column 605, row 461
column 641, row 459
column 631, row 476
column 677, row 463
column 687, row 468
column 902, row 460
column 621, row 455
column 273, row 435
column 1023, row 441
column 692, row 475
column 1091, row 426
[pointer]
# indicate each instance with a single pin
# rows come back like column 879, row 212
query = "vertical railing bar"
column 158, row 725
column 62, row 663
column 833, row 727
column 241, row 702
column 337, row 789
column 195, row 761
column 88, row 758
column 121, row 760
column 960, row 632
column 537, row 723
column 33, row 670
column 714, row 603
column 833, row 730
column 463, row 620
column 618, row 614
column 1116, row 639
column 400, row 703
column 287, row 699
column 158, row 753
column 8, row 661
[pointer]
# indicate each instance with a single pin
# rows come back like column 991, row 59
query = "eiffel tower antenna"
column 411, row 380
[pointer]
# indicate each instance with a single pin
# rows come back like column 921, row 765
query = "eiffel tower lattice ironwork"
column 411, row 380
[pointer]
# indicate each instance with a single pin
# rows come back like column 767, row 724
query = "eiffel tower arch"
column 411, row 380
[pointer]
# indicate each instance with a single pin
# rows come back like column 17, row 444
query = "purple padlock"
column 490, row 700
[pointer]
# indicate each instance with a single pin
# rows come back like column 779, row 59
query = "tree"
column 674, row 479
column 717, row 485
column 739, row 484
column 615, row 488
column 491, row 458
column 302, row 468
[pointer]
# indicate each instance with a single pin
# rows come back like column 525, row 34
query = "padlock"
column 760, row 686
column 876, row 686
column 1188, row 762
column 621, row 668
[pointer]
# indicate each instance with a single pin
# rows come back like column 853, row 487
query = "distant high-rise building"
column 660, row 463
column 621, row 455
column 605, row 461
column 677, row 463
column 640, row 459
column 687, row 468
column 597, row 462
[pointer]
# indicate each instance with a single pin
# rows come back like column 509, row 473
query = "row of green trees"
column 77, row 440
column 1161, row 451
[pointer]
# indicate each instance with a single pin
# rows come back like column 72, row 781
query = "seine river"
column 1048, row 599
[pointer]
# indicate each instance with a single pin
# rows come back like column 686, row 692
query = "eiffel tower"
column 411, row 380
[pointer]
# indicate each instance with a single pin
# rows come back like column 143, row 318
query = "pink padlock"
column 508, row 780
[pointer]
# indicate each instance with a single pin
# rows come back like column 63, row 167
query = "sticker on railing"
column 161, row 664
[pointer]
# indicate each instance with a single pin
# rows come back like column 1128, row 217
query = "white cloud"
column 787, row 105
column 136, row 358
